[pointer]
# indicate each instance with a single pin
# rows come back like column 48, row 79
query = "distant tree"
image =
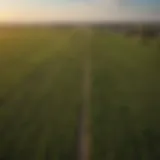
column 148, row 33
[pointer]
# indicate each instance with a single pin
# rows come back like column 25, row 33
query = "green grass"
column 40, row 87
column 41, row 91
column 125, row 98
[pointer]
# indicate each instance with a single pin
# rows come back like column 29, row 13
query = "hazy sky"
column 78, row 10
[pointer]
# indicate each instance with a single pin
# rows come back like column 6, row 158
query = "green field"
column 41, row 76
column 126, row 90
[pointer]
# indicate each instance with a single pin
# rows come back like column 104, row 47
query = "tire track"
column 84, row 122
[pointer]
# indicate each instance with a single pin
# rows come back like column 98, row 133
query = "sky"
column 78, row 10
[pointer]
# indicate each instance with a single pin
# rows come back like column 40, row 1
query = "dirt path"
column 84, row 124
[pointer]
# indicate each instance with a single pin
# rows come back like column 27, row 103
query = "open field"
column 41, row 92
column 126, row 91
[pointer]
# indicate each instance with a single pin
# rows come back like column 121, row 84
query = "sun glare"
column 5, row 16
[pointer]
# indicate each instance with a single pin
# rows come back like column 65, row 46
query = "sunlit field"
column 41, row 79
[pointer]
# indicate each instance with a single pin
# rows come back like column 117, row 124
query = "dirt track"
column 84, row 124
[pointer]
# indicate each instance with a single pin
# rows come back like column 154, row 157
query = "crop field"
column 41, row 93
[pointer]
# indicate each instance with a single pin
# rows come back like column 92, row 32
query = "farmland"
column 41, row 79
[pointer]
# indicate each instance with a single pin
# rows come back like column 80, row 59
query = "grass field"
column 126, row 102
column 41, row 76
